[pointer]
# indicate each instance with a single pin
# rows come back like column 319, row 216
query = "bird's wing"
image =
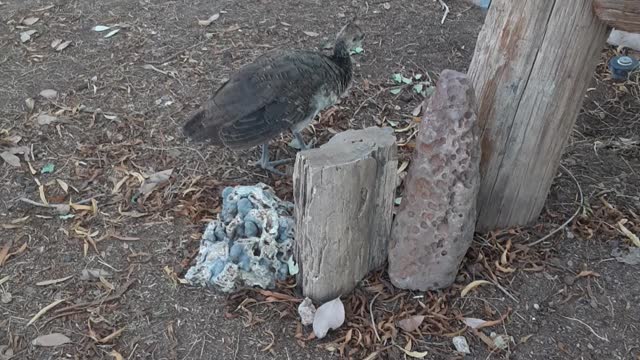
column 264, row 98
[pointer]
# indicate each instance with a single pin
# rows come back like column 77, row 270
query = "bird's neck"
column 342, row 55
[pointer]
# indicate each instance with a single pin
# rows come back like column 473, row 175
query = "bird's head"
column 351, row 35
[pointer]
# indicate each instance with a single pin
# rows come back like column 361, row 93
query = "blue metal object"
column 484, row 4
column 621, row 66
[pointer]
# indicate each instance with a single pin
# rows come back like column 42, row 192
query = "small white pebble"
column 536, row 306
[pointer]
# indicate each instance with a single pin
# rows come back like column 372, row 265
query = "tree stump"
column 343, row 194
column 532, row 64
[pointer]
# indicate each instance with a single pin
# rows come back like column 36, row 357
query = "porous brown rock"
column 434, row 226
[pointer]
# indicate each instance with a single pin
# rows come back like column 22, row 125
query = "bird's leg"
column 301, row 142
column 270, row 165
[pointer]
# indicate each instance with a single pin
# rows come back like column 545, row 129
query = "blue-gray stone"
column 245, row 262
column 251, row 217
column 244, row 206
column 217, row 267
column 226, row 192
column 250, row 229
column 283, row 272
column 236, row 252
column 220, row 234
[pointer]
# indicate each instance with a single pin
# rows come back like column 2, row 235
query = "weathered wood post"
column 621, row 14
column 343, row 193
column 532, row 64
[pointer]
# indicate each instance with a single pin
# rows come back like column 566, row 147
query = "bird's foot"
column 271, row 166
column 301, row 144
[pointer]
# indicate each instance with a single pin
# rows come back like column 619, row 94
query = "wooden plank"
column 532, row 64
column 620, row 14
column 343, row 194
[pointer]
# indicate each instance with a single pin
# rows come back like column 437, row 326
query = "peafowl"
column 280, row 90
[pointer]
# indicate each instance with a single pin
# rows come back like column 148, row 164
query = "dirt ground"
column 105, row 272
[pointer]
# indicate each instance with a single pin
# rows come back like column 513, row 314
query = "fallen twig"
column 571, row 218
column 588, row 327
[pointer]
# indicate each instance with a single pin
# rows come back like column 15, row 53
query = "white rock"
column 460, row 342
column 307, row 311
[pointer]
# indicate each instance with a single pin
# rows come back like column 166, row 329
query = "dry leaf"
column 633, row 237
column 49, row 340
column 30, row 103
column 94, row 274
column 4, row 252
column 54, row 281
column 473, row 322
column 413, row 354
column 45, row 119
column 44, row 311
column 111, row 33
column 26, row 35
column 116, row 355
column 472, row 285
column 585, row 273
column 59, row 45
column 30, row 21
column 10, row 159
column 63, row 185
column 311, row 33
column 211, row 19
column 411, row 324
column 49, row 94
column 154, row 180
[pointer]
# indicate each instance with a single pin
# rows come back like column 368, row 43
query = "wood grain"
column 532, row 64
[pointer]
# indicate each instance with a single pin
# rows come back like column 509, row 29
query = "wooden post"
column 621, row 14
column 343, row 193
column 532, row 64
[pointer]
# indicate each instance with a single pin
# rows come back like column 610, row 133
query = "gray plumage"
column 280, row 90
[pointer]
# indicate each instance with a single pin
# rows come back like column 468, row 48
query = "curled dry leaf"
column 631, row 236
column 411, row 324
column 472, row 285
column 50, row 340
column 329, row 316
column 116, row 355
column 94, row 274
column 154, row 180
column 211, row 19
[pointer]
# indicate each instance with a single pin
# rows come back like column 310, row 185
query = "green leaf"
column 67, row 217
column 429, row 91
column 47, row 169
column 406, row 80
column 418, row 88
column 397, row 78
column 293, row 267
column 417, row 76
column 395, row 91
column 357, row 50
